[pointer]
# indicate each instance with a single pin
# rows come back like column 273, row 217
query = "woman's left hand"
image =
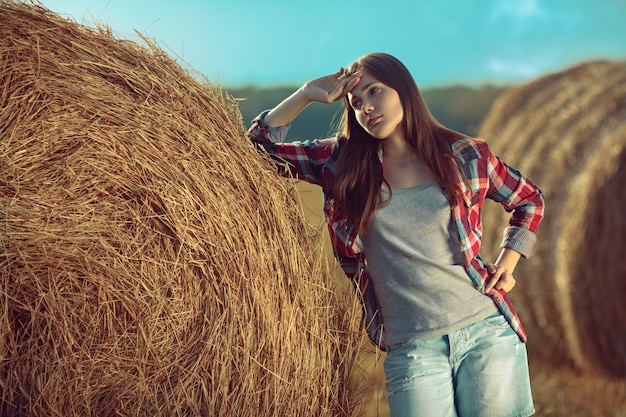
column 500, row 278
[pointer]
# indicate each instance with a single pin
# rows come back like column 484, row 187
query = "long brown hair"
column 359, row 173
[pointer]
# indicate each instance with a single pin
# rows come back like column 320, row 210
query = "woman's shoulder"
column 467, row 147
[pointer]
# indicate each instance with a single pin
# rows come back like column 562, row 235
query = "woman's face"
column 377, row 107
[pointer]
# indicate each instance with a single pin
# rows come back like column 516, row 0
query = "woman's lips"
column 372, row 121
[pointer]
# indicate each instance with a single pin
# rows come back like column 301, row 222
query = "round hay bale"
column 151, row 262
column 567, row 131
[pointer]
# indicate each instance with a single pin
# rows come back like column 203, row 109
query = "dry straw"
column 567, row 131
column 151, row 263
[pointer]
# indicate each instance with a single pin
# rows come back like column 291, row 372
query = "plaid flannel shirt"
column 480, row 174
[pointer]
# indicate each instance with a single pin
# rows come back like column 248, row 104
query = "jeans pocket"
column 496, row 321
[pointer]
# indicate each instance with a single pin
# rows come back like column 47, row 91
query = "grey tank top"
column 415, row 265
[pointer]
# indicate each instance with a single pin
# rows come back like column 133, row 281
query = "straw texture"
column 151, row 262
column 567, row 131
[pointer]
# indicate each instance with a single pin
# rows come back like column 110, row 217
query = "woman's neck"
column 397, row 151
column 403, row 168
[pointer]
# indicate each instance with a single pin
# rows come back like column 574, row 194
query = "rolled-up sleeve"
column 520, row 239
column 262, row 132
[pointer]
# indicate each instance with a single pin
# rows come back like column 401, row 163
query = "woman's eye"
column 356, row 104
column 375, row 90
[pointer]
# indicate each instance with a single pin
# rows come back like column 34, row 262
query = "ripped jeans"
column 478, row 371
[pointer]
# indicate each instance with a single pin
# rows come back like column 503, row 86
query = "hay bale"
column 151, row 262
column 567, row 131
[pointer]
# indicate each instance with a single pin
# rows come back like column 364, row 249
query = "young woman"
column 403, row 200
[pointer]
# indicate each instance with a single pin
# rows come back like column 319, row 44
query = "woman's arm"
column 302, row 159
column 325, row 89
column 516, row 193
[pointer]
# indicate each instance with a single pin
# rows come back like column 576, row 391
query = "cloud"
column 513, row 69
column 517, row 10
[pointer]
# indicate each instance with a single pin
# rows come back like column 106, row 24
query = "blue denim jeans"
column 480, row 370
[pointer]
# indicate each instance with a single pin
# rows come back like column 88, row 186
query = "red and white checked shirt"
column 487, row 177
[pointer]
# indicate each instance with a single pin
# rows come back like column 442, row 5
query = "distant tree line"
column 461, row 108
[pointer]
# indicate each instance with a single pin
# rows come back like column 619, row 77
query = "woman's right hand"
column 323, row 90
column 331, row 87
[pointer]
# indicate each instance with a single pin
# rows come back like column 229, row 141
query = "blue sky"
column 271, row 42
